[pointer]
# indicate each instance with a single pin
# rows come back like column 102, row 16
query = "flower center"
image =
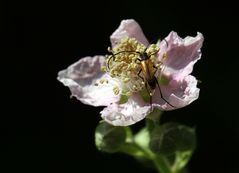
column 125, row 63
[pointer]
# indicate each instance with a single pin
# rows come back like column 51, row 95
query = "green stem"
column 136, row 151
column 162, row 165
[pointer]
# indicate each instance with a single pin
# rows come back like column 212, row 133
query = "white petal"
column 128, row 28
column 81, row 78
column 182, row 54
column 125, row 114
column 177, row 93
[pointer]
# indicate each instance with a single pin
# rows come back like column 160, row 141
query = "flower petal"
column 82, row 76
column 178, row 93
column 126, row 114
column 182, row 54
column 129, row 28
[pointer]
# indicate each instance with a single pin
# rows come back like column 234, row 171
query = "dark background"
column 46, row 131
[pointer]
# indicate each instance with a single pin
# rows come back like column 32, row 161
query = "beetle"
column 151, row 82
column 146, row 73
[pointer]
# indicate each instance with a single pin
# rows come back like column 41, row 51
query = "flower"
column 119, row 85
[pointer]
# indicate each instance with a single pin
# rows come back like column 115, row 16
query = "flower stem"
column 161, row 164
column 138, row 145
column 136, row 151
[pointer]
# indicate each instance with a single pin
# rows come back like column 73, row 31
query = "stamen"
column 102, row 81
column 103, row 69
column 116, row 90
column 125, row 80
column 124, row 64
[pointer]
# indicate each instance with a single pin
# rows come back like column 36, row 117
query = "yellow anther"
column 126, row 80
column 164, row 56
column 129, row 93
column 131, row 56
column 129, row 73
column 134, row 65
column 103, row 68
column 102, row 81
column 158, row 65
column 116, row 90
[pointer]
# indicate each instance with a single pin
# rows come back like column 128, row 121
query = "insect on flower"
column 136, row 77
column 147, row 69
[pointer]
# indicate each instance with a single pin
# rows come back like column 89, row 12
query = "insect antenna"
column 114, row 54
column 160, row 91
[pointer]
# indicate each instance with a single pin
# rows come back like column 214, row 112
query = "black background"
column 46, row 131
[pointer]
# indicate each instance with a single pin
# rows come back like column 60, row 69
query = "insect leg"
column 146, row 86
column 139, row 75
column 150, row 97
column 161, row 95
column 153, row 53
column 126, row 51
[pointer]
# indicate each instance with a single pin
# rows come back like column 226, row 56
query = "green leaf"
column 181, row 160
column 109, row 138
column 171, row 138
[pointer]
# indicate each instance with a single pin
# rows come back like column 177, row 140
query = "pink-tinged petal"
column 182, row 54
column 82, row 76
column 126, row 114
column 178, row 93
column 128, row 28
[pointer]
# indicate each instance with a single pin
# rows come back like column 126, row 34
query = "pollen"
column 116, row 90
column 126, row 79
column 102, row 81
column 103, row 69
column 125, row 63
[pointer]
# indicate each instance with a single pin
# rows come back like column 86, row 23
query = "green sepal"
column 109, row 138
